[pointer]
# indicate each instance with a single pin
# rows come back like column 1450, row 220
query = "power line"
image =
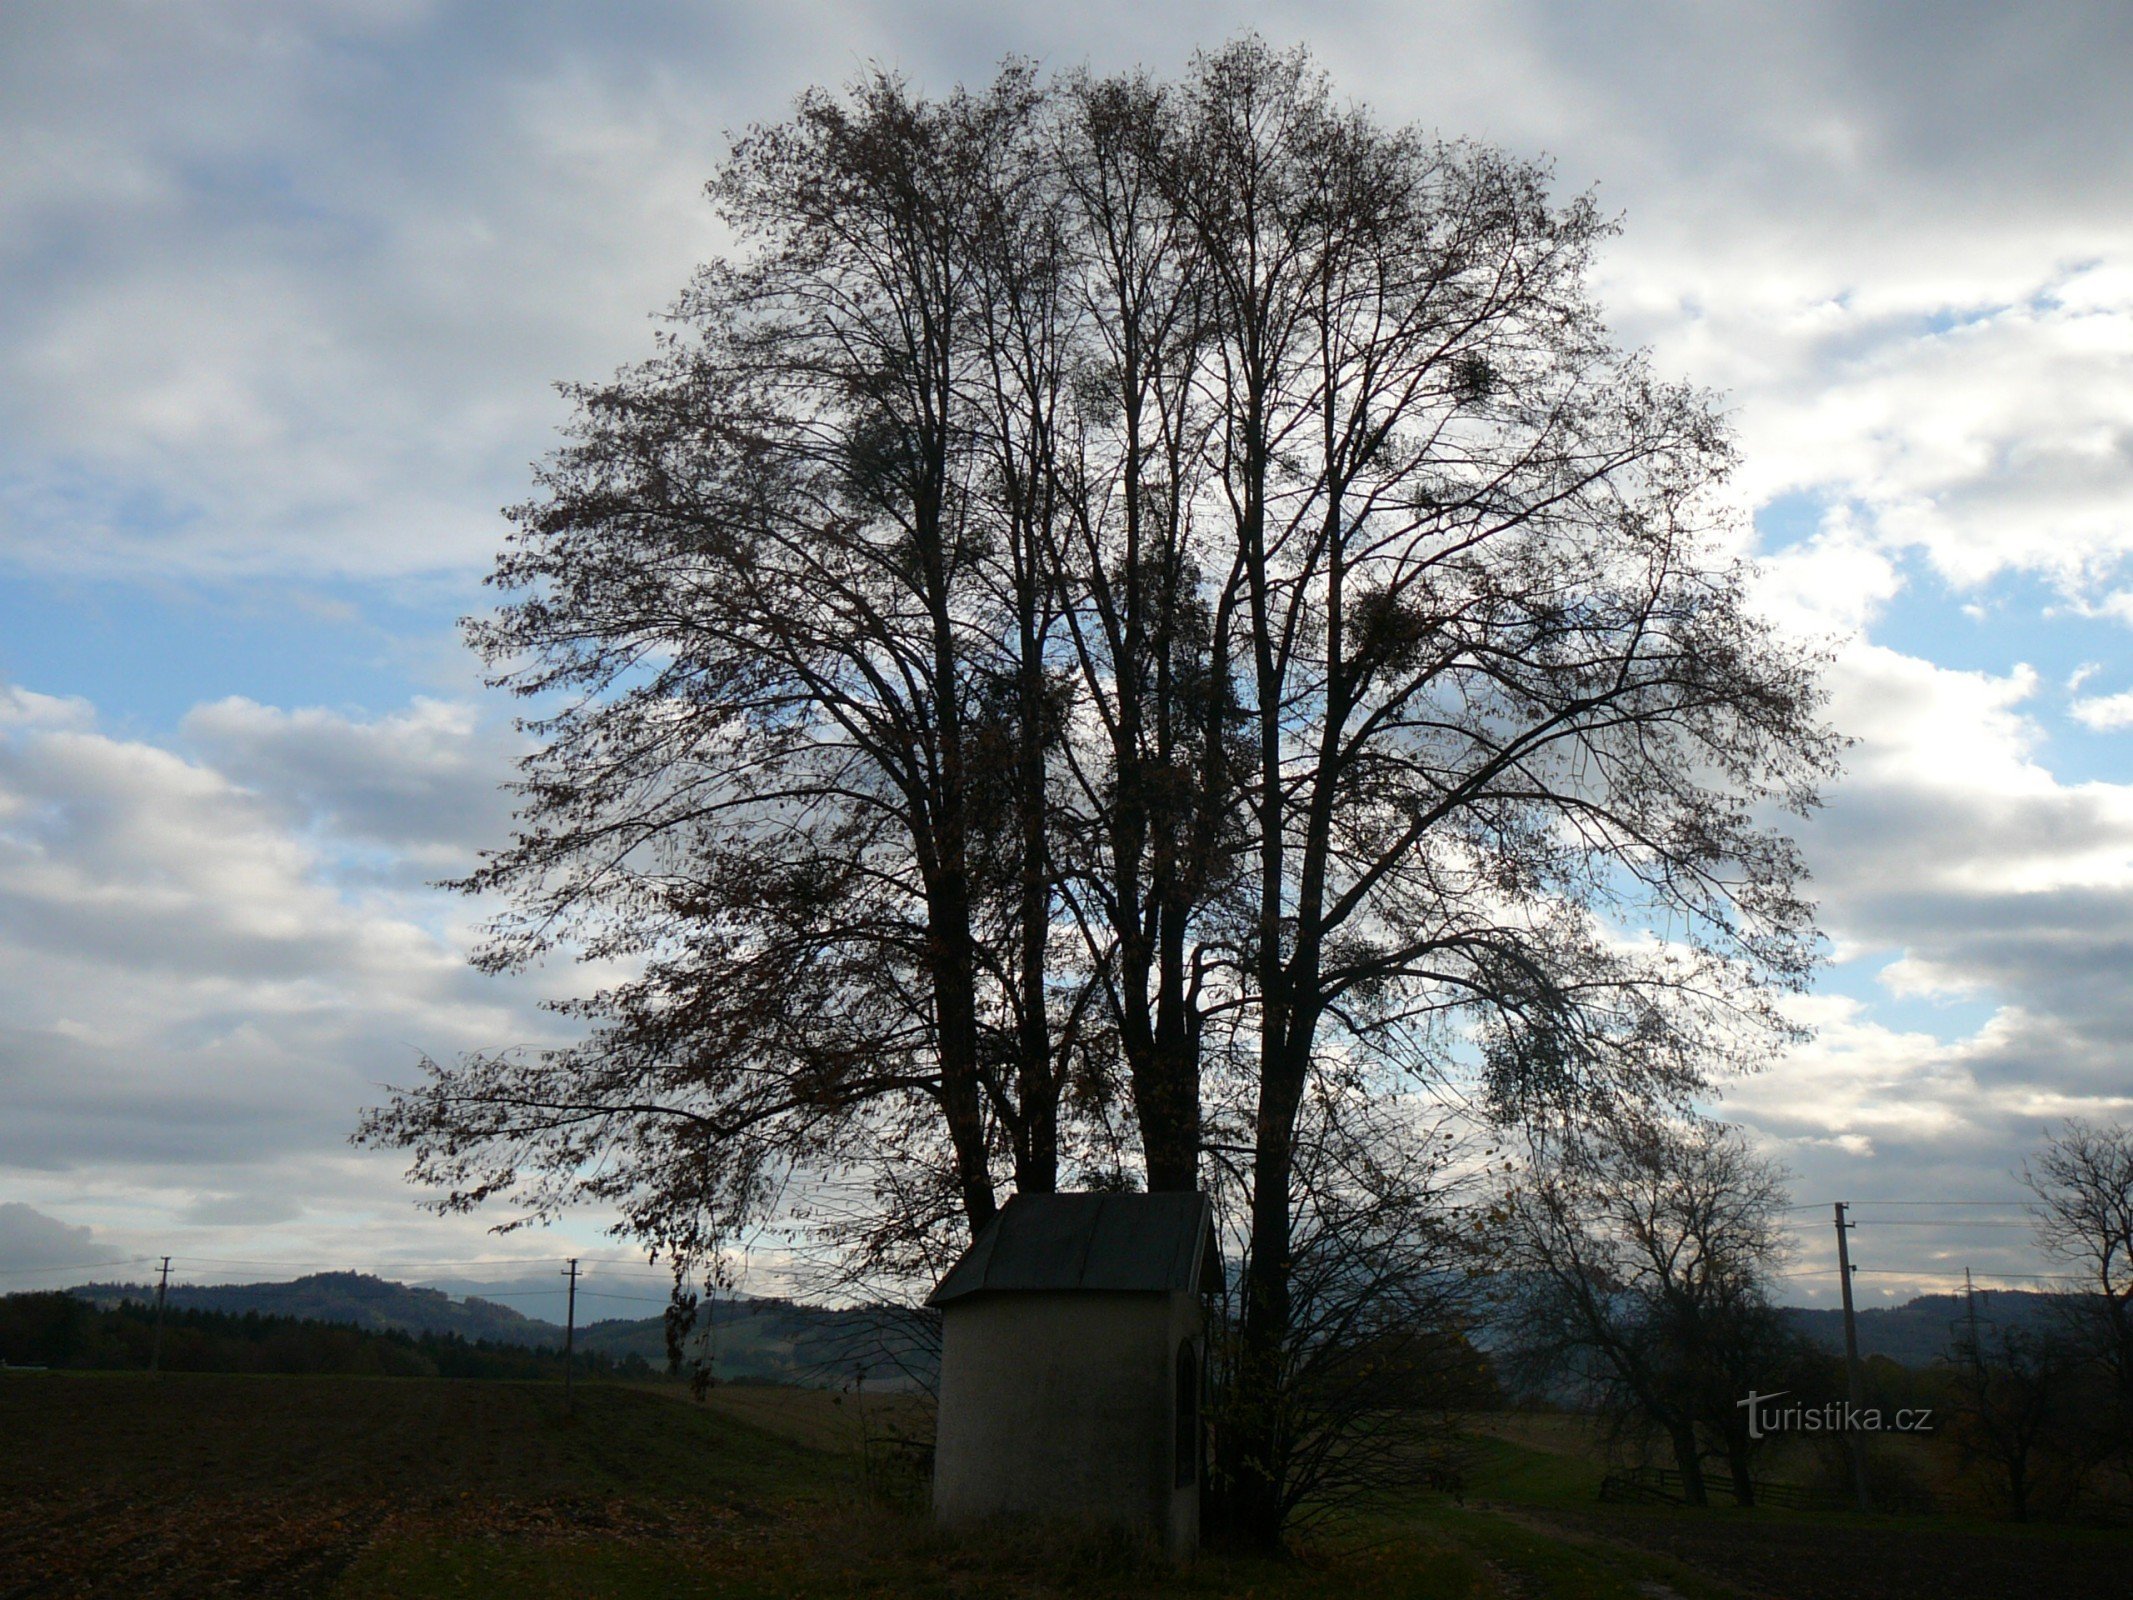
column 1923, row 1272
column 1919, row 1222
column 1906, row 1273
column 635, row 1299
column 1818, row 1205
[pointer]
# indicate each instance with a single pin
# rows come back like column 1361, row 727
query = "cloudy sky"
column 283, row 290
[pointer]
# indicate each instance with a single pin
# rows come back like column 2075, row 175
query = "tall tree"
column 786, row 583
column 1132, row 610
column 1154, row 809
column 1503, row 686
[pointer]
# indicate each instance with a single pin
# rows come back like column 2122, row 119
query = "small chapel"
column 1073, row 1347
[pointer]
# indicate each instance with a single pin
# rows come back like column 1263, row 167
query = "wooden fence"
column 1666, row 1486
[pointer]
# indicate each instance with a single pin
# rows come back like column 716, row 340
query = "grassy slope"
column 410, row 1488
column 1543, row 1473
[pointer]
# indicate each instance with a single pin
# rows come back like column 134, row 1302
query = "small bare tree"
column 1388, row 1271
column 2010, row 1398
column 2083, row 1216
column 1638, row 1266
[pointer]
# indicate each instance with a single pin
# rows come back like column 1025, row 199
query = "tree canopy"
column 1126, row 618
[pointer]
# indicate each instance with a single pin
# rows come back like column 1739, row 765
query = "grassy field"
column 1543, row 1474
column 283, row 1486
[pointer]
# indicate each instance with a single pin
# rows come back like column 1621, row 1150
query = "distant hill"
column 783, row 1341
column 355, row 1298
column 750, row 1340
column 1917, row 1333
column 58, row 1329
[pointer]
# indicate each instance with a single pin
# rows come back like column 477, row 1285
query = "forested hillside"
column 1917, row 1333
column 748, row 1340
column 64, row 1331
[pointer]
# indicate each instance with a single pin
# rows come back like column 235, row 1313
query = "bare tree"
column 1155, row 807
column 2083, row 1216
column 1638, row 1267
column 782, row 603
column 1126, row 603
column 2010, row 1398
column 1388, row 1281
column 1498, row 686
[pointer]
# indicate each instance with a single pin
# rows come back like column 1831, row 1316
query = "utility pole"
column 155, row 1351
column 1855, row 1390
column 570, row 1336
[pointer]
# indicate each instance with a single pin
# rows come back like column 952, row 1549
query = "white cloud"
column 35, row 1248
column 2105, row 713
column 427, row 782
column 295, row 283
column 1835, row 583
column 1999, row 444
column 290, row 304
column 196, row 998
column 24, row 708
column 1935, row 726
column 1947, row 811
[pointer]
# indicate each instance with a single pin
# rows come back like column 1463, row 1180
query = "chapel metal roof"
column 1055, row 1242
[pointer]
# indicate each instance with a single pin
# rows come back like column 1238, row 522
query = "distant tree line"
column 2029, row 1424
column 2044, row 1415
column 1634, row 1268
column 62, row 1330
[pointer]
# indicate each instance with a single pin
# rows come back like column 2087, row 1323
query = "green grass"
column 1541, row 1474
column 1531, row 1476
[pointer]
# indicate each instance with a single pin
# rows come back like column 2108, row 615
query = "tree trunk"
column 1690, row 1462
column 1743, row 1479
column 1257, row 1445
column 1037, row 1170
column 1173, row 1144
column 2018, row 1483
column 955, row 1016
column 1162, row 1059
